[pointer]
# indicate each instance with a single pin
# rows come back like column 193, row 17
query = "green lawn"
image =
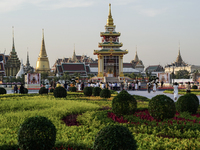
column 15, row 108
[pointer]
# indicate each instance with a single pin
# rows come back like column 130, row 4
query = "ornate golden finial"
column 109, row 10
column 110, row 19
column 42, row 34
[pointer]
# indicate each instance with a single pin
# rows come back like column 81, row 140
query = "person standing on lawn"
column 175, row 90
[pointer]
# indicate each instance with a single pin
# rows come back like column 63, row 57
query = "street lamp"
column 173, row 75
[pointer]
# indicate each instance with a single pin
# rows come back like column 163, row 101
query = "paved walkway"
column 152, row 94
column 142, row 93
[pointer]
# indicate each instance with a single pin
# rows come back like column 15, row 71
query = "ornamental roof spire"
column 74, row 54
column 27, row 61
column 110, row 19
column 179, row 58
column 43, row 50
column 136, row 59
column 13, row 46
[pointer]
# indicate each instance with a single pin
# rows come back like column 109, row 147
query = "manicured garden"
column 79, row 118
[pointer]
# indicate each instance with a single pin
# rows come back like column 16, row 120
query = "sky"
column 156, row 27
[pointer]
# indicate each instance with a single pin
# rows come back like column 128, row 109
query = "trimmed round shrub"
column 187, row 103
column 42, row 90
column 105, row 93
column 96, row 91
column 2, row 90
column 124, row 104
column 37, row 133
column 60, row 92
column 87, row 91
column 114, row 137
column 162, row 107
column 25, row 91
column 72, row 89
column 194, row 87
column 196, row 99
column 51, row 90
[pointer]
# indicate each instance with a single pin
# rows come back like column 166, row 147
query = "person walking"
column 175, row 90
column 21, row 89
column 15, row 89
column 188, row 88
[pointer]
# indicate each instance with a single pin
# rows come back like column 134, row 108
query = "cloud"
column 150, row 12
column 12, row 5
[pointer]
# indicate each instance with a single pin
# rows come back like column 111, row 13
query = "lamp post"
column 173, row 75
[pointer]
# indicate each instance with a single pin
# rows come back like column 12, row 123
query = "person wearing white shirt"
column 175, row 90
column 139, row 85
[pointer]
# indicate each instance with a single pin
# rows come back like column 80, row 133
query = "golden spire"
column 43, row 50
column 110, row 19
column 13, row 47
column 42, row 64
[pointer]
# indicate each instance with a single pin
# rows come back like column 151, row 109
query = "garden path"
column 152, row 94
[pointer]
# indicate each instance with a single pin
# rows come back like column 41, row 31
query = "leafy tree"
column 44, row 75
column 182, row 74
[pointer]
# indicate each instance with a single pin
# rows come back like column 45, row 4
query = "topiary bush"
column 162, row 107
column 72, row 89
column 186, row 103
column 124, row 104
column 196, row 99
column 87, row 91
column 60, row 92
column 105, row 93
column 194, row 87
column 96, row 91
column 2, row 90
column 51, row 90
column 25, row 91
column 114, row 137
column 43, row 90
column 37, row 133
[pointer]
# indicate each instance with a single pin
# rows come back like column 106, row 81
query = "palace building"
column 110, row 57
column 179, row 64
column 42, row 64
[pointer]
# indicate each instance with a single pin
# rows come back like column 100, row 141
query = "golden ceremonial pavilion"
column 110, row 57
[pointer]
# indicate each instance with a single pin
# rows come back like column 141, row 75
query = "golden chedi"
column 42, row 64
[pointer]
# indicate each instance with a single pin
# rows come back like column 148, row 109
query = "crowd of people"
column 117, row 86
